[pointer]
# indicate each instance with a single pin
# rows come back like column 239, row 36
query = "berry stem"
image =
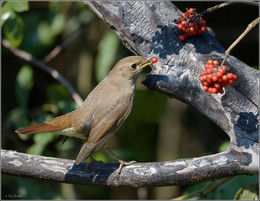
column 211, row 9
column 249, row 28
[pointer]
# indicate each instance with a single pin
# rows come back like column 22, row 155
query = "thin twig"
column 249, row 27
column 222, row 5
column 64, row 44
column 211, row 9
column 204, row 193
column 55, row 74
column 219, row 183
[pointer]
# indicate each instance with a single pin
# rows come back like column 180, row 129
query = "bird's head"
column 130, row 67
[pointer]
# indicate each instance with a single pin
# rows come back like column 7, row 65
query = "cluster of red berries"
column 214, row 78
column 191, row 23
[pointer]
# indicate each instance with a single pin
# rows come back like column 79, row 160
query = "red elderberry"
column 154, row 59
column 191, row 24
column 214, row 78
column 181, row 38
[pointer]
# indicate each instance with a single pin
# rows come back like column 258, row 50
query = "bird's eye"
column 133, row 66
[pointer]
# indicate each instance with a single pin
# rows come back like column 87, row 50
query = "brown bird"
column 103, row 111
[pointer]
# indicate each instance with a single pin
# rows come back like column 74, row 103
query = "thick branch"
column 150, row 29
column 179, row 172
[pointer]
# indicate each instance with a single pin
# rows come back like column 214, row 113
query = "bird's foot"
column 124, row 163
column 92, row 160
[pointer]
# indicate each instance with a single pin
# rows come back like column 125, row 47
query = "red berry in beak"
column 154, row 59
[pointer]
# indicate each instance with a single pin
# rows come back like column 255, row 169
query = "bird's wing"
column 101, row 130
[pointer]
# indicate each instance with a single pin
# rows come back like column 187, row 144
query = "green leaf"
column 11, row 7
column 44, row 33
column 24, row 84
column 249, row 192
column 72, row 25
column 230, row 188
column 107, row 54
column 67, row 146
column 20, row 6
column 5, row 16
column 13, row 29
column 41, row 140
column 17, row 6
column 223, row 146
column 57, row 24
column 48, row 31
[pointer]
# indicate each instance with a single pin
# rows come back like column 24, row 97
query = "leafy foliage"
column 13, row 23
column 24, row 83
column 107, row 52
column 229, row 190
column 249, row 192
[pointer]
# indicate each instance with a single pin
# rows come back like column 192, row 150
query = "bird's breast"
column 109, row 99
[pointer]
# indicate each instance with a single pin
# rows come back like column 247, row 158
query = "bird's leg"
column 122, row 163
column 92, row 160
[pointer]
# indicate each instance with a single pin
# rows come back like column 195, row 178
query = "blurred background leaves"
column 158, row 129
column 14, row 27
column 107, row 50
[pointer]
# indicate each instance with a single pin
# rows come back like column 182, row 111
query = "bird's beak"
column 145, row 63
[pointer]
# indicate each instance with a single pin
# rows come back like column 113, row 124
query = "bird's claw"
column 92, row 160
column 123, row 163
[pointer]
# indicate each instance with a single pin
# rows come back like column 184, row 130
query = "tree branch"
column 40, row 64
column 150, row 29
column 179, row 172
column 56, row 50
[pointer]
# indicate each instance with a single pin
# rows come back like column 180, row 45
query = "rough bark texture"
column 150, row 29
column 179, row 172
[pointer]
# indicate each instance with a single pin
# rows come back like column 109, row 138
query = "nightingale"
column 102, row 112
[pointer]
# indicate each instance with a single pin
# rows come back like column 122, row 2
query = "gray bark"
column 178, row 172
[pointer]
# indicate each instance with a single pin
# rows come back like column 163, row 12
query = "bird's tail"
column 38, row 128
